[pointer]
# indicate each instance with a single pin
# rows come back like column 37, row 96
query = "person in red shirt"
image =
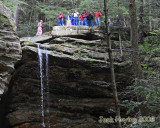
column 85, row 14
column 81, row 20
column 60, row 17
column 97, row 17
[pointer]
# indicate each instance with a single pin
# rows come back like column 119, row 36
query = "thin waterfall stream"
column 44, row 80
column 47, row 89
column 40, row 55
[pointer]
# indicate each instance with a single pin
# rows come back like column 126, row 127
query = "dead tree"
column 107, row 39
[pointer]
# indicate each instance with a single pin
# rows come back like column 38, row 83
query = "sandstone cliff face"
column 10, row 49
column 10, row 53
column 78, row 87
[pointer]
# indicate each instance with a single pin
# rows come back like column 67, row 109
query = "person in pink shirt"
column 81, row 19
column 39, row 31
column 60, row 19
column 97, row 17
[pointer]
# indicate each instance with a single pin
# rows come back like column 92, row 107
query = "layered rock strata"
column 10, row 49
column 79, row 83
column 10, row 54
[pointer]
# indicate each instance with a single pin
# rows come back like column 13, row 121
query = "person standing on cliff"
column 60, row 19
column 85, row 15
column 97, row 17
column 81, row 20
column 68, row 19
column 90, row 18
column 76, row 15
column 72, row 19
column 39, row 31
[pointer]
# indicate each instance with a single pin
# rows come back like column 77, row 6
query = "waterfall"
column 40, row 55
column 47, row 89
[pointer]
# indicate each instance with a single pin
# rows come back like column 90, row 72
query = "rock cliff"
column 71, row 87
column 10, row 49
column 10, row 53
column 77, row 86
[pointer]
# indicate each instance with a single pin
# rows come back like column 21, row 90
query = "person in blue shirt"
column 68, row 19
column 72, row 20
column 117, row 20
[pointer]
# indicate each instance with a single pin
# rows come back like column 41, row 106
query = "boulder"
column 59, row 31
column 37, row 39
column 81, row 32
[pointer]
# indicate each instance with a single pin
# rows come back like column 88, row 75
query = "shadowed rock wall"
column 79, row 84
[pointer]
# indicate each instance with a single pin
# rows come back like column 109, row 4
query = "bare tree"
column 134, row 39
column 150, row 15
column 141, row 21
column 107, row 39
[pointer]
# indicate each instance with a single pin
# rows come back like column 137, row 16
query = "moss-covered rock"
column 6, row 18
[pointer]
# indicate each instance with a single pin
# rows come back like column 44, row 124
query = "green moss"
column 54, row 51
column 76, row 49
column 96, row 46
column 85, row 56
column 67, row 43
column 76, row 55
column 29, row 42
column 3, row 19
column 97, row 54
column 90, row 59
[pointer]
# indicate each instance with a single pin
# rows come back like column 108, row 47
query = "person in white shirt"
column 109, row 22
column 68, row 19
column 76, row 15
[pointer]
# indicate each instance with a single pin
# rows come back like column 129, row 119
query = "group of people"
column 77, row 19
column 80, row 19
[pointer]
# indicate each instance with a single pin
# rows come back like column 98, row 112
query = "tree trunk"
column 120, row 43
column 150, row 16
column 141, row 26
column 134, row 39
column 16, row 12
column 107, row 39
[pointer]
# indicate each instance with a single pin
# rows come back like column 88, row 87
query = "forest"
column 140, row 17
column 28, row 13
